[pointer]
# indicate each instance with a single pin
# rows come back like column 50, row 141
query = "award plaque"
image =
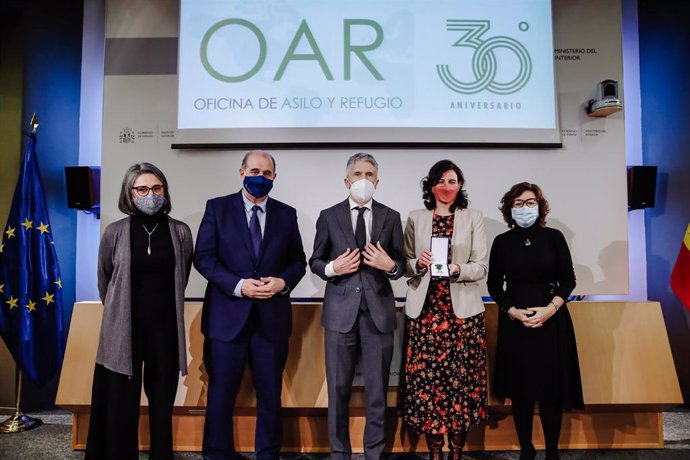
column 439, row 256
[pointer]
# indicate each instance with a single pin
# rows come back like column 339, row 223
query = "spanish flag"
column 680, row 277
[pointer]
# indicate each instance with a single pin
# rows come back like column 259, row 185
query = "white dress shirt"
column 261, row 213
column 353, row 217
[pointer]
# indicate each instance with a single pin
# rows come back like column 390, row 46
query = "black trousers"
column 551, row 415
column 115, row 400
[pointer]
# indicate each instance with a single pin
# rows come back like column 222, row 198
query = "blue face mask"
column 257, row 186
column 525, row 216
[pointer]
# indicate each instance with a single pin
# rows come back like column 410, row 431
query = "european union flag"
column 30, row 285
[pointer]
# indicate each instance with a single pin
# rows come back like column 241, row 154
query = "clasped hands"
column 534, row 316
column 374, row 256
column 263, row 288
column 424, row 263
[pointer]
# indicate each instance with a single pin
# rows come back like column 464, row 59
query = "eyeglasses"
column 530, row 203
column 143, row 190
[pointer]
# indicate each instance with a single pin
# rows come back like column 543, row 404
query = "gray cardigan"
column 115, row 290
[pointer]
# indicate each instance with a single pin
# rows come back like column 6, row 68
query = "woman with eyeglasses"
column 530, row 278
column 143, row 267
column 443, row 388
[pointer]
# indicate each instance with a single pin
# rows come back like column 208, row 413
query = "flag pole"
column 33, row 124
column 19, row 421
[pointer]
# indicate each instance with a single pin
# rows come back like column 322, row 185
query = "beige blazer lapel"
column 469, row 252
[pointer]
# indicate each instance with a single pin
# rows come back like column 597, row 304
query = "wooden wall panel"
column 627, row 370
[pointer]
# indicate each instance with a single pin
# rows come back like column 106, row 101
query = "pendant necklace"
column 527, row 241
column 149, row 234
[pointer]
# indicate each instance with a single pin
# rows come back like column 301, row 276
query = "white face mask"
column 362, row 190
column 525, row 216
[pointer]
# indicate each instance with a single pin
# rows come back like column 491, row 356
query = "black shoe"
column 529, row 454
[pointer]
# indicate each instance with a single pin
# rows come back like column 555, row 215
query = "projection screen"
column 388, row 71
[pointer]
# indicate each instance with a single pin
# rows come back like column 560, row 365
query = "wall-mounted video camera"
column 606, row 102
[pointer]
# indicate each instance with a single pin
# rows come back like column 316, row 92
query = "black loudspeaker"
column 83, row 187
column 641, row 187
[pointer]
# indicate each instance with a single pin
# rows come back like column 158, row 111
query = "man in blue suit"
column 250, row 250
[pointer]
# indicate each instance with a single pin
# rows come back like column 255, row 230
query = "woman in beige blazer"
column 443, row 388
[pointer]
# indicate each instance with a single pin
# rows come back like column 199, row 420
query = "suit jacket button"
column 358, row 289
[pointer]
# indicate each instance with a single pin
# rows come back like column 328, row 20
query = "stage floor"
column 53, row 441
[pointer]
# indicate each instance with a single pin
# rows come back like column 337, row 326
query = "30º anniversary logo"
column 485, row 65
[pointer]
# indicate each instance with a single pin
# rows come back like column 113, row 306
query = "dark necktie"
column 360, row 229
column 255, row 230
column 361, row 239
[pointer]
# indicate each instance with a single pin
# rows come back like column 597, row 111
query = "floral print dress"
column 443, row 388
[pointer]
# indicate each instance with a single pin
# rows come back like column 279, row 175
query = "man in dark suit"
column 358, row 249
column 250, row 250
